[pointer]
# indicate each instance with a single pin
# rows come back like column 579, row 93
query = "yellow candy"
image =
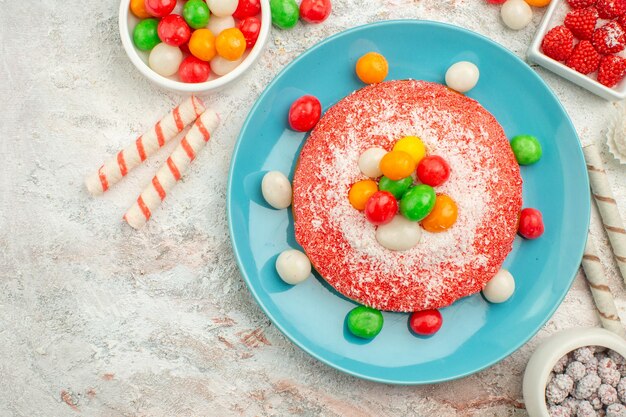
column 360, row 192
column 443, row 215
column 202, row 44
column 396, row 165
column 413, row 146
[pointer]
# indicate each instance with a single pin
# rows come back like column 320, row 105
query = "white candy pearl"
column 222, row 8
column 399, row 234
column 276, row 190
column 293, row 266
column 462, row 76
column 369, row 162
column 165, row 59
column 516, row 14
column 218, row 24
column 222, row 66
column 500, row 288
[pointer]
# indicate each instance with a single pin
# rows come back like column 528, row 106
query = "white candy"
column 222, row 66
column 276, row 190
column 293, row 266
column 500, row 288
column 399, row 234
column 218, row 24
column 165, row 59
column 369, row 162
column 462, row 76
column 222, row 8
column 516, row 14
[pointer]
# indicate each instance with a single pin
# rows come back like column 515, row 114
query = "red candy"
column 433, row 170
column 530, row 223
column 247, row 8
column 194, row 70
column 250, row 27
column 304, row 113
column 426, row 323
column 160, row 8
column 315, row 11
column 381, row 207
column 173, row 30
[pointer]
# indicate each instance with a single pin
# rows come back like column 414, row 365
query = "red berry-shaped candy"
column 558, row 43
column 247, row 8
column 582, row 22
column 584, row 59
column 194, row 70
column 612, row 70
column 530, row 223
column 315, row 11
column 160, row 8
column 381, row 207
column 433, row 170
column 173, row 30
column 580, row 4
column 609, row 9
column 250, row 27
column 426, row 323
column 609, row 39
column 304, row 113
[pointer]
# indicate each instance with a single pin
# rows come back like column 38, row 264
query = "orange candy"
column 138, row 8
column 230, row 44
column 443, row 216
column 202, row 44
column 360, row 192
column 538, row 3
column 396, row 165
column 372, row 68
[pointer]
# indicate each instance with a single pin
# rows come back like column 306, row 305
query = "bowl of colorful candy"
column 577, row 372
column 194, row 45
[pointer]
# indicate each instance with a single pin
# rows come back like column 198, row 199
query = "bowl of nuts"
column 577, row 373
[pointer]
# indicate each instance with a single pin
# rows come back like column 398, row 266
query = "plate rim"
column 229, row 188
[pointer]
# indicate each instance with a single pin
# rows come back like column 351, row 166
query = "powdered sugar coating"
column 616, row 410
column 576, row 370
column 559, row 411
column 587, row 386
column 607, row 394
column 621, row 390
column 584, row 354
column 485, row 183
column 586, row 410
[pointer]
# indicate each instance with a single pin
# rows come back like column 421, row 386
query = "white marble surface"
column 99, row 319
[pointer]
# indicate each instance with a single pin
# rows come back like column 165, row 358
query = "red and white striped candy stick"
column 173, row 169
column 115, row 168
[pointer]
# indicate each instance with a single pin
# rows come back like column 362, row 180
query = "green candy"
column 526, row 148
column 418, row 202
column 196, row 13
column 146, row 35
column 285, row 13
column 365, row 322
column 397, row 188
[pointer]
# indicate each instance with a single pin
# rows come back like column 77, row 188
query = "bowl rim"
column 146, row 71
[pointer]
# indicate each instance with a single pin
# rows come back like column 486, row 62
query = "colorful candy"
column 499, row 288
column 530, row 223
column 196, row 13
column 396, row 165
column 230, row 44
column 138, row 8
column 399, row 234
column 293, row 266
column 159, row 8
column 222, row 66
column 433, row 170
column 369, row 162
column 222, row 8
column 304, row 113
column 247, row 8
column 418, row 202
column 218, row 24
column 194, row 70
column 372, row 68
column 173, row 30
column 285, row 13
column 250, row 27
column 202, row 44
column 276, row 190
column 397, row 188
column 426, row 323
column 165, row 59
column 365, row 322
column 381, row 207
column 315, row 11
column 145, row 34
column 526, row 148
column 413, row 146
column 443, row 215
column 462, row 76
column 360, row 192
column 516, row 14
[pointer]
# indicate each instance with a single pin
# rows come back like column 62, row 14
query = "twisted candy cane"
column 115, row 168
column 171, row 171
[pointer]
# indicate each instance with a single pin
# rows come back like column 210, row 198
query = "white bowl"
column 127, row 22
column 550, row 351
column 536, row 55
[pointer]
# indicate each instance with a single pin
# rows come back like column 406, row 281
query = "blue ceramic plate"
column 475, row 334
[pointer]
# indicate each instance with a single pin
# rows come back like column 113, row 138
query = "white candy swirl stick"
column 173, row 169
column 115, row 168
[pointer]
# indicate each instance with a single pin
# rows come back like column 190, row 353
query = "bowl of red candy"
column 194, row 45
